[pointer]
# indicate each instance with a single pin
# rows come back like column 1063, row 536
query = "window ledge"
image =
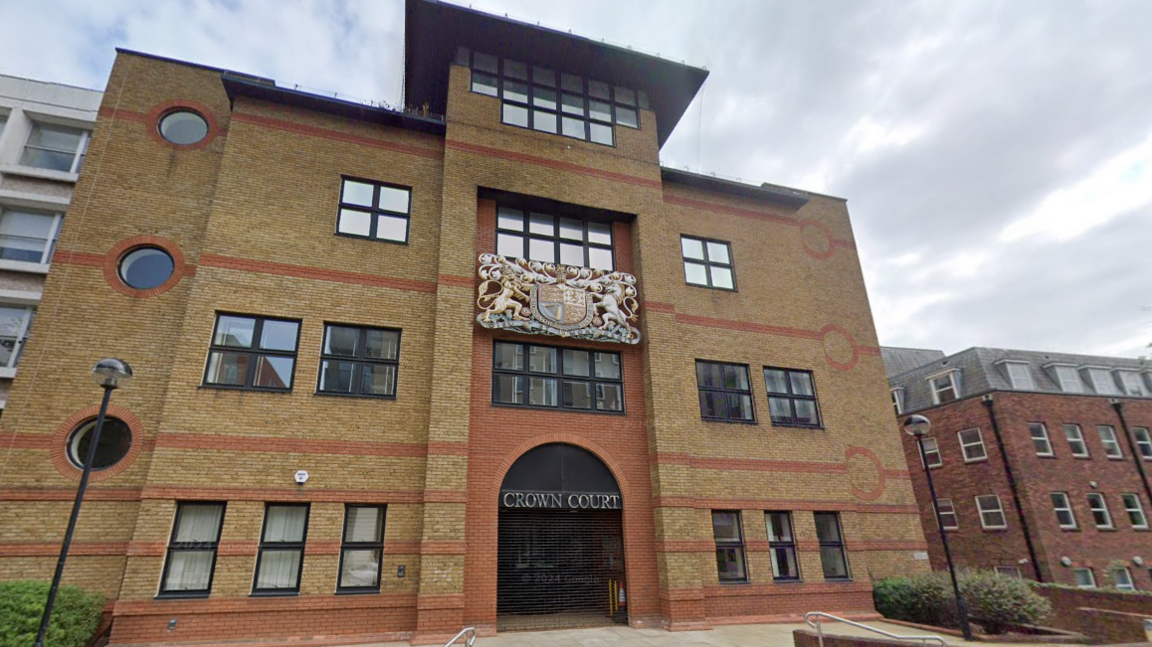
column 192, row 595
column 730, row 422
column 735, row 582
column 976, row 460
column 838, row 580
column 787, row 581
column 41, row 173
column 24, row 266
column 357, row 591
column 7, row 373
column 354, row 396
column 797, row 426
column 535, row 407
column 243, row 389
column 274, row 594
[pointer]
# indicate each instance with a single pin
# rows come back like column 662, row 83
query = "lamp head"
column 111, row 373
column 917, row 425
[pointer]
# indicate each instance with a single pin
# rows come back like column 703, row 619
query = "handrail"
column 471, row 631
column 820, row 632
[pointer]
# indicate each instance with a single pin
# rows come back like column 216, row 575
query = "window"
column 1143, row 442
column 707, row 263
column 945, row 387
column 1100, row 514
column 1065, row 517
column 359, row 361
column 1020, row 375
column 948, row 518
column 529, row 375
column 1085, row 578
column 991, row 512
column 1123, row 578
column 1108, row 439
column 931, row 452
column 1135, row 511
column 3, row 122
column 27, row 236
column 832, row 556
column 362, row 548
column 724, row 392
column 56, row 148
column 782, row 546
column 1009, row 571
column 1130, row 383
column 551, row 239
column 729, row 546
column 374, row 210
column 115, row 441
column 15, row 322
column 184, row 127
column 898, row 400
column 791, row 397
column 144, row 268
column 1101, row 382
column 191, row 557
column 281, row 548
column 1076, row 441
column 252, row 353
column 1068, row 379
column 1040, row 439
column 972, row 445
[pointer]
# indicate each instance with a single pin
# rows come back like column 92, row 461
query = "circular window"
column 144, row 268
column 115, row 441
column 183, row 127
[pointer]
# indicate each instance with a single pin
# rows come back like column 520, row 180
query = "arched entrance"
column 560, row 559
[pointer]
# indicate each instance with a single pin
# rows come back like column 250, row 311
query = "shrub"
column 995, row 601
column 75, row 618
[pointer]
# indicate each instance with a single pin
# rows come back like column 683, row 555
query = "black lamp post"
column 918, row 426
column 110, row 374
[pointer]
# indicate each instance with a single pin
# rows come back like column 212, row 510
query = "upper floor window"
column 972, row 445
column 1123, row 578
column 1101, row 381
column 1040, row 439
column 57, row 148
column 991, row 512
column 708, row 263
column 1085, row 578
column 1143, row 442
column 15, row 322
column 1131, row 383
column 725, row 393
column 359, row 361
column 1068, row 378
column 1065, row 517
column 1110, row 442
column 1135, row 511
column 551, row 239
column 945, row 387
column 898, row 400
column 931, row 457
column 252, row 353
column 374, row 210
column 27, row 235
column 3, row 122
column 545, row 376
column 1100, row 514
column 948, row 517
column 1020, row 375
column 1076, row 440
column 791, row 397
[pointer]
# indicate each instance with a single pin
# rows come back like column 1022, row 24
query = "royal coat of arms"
column 545, row 298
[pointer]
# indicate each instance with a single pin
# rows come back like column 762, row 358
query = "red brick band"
column 255, row 604
column 289, row 445
column 68, row 494
column 719, row 503
column 49, row 549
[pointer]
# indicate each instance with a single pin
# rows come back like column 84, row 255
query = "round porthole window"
column 144, row 268
column 183, row 127
column 115, row 441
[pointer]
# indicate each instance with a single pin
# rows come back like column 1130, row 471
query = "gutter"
column 988, row 404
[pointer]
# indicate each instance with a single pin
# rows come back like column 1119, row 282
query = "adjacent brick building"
column 1041, row 461
column 346, row 293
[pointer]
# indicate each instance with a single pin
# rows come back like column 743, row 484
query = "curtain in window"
column 278, row 569
column 189, row 570
column 199, row 523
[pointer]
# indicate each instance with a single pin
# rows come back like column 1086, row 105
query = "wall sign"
column 561, row 500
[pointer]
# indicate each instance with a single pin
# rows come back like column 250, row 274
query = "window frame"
column 375, row 211
column 1114, row 442
column 702, row 389
column 265, row 545
column 833, row 544
column 1143, row 442
column 21, row 334
column 1086, row 453
column 951, row 512
column 358, row 362
column 789, row 546
column 708, row 263
column 1102, row 509
column 1009, row 571
column 1124, row 376
column 1100, row 378
column 999, row 509
column 897, row 399
column 253, row 351
column 559, row 376
column 53, row 231
column 953, row 385
column 1047, row 440
column 792, row 398
column 928, row 453
column 725, row 544
column 78, row 155
column 174, row 546
column 979, row 442
column 1131, row 497
column 1130, row 585
column 346, row 545
column 527, row 236
column 1067, row 376
column 1076, row 572
column 1064, row 507
column 1031, row 381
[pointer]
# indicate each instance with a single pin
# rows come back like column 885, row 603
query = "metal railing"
column 924, row 640
column 469, row 631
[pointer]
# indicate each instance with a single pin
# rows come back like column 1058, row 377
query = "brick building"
column 1041, row 461
column 535, row 379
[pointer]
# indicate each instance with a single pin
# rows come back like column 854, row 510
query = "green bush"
column 75, row 618
column 995, row 601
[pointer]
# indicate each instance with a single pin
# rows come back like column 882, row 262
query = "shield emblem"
column 561, row 306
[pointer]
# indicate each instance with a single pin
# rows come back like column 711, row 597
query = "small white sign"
column 302, row 477
column 920, row 555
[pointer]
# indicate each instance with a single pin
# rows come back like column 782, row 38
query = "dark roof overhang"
column 780, row 195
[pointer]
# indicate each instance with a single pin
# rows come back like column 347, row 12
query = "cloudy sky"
column 996, row 156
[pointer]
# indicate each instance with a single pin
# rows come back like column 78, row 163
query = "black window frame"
column 792, row 398
column 346, row 545
column 526, row 373
column 254, row 351
column 779, row 544
column 830, row 544
column 175, row 546
column 527, row 236
column 708, row 263
column 708, row 389
column 374, row 212
column 359, row 361
column 727, row 544
column 280, row 546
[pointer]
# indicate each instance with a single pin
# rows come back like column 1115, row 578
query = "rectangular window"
column 1020, row 375
column 782, row 546
column 374, row 210
column 972, row 445
column 1076, row 441
column 1009, row 571
column 931, row 452
column 898, row 400
column 3, row 122
column 1040, row 439
column 730, row 565
column 362, row 548
column 15, row 322
column 725, row 393
column 56, row 148
column 530, row 375
column 945, row 388
column 255, row 353
column 708, row 263
column 1069, row 379
column 832, row 556
column 281, row 548
column 1101, row 381
column 948, row 518
column 991, row 512
column 1123, row 578
column 1099, row 507
column 1110, row 442
column 1135, row 511
column 359, row 361
column 1143, row 442
column 1065, row 517
column 1085, row 578
column 1131, row 383
column 28, row 236
column 791, row 397
column 553, row 239
column 191, row 557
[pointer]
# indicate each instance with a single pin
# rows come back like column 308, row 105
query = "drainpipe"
column 987, row 401
column 1136, row 457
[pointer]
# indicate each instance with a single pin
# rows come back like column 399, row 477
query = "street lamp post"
column 110, row 374
column 918, row 426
